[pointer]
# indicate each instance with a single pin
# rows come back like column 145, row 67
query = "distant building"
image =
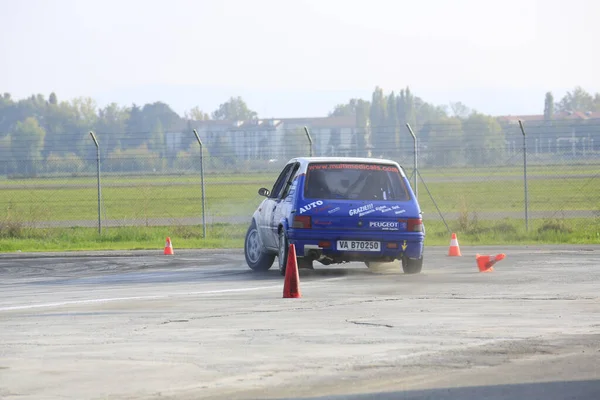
column 265, row 139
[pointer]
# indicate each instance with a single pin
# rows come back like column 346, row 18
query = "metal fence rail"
column 204, row 177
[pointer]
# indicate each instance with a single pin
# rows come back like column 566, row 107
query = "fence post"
column 525, row 177
column 415, row 155
column 99, row 187
column 202, row 183
column 310, row 142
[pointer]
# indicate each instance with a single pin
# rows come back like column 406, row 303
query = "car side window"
column 281, row 181
column 289, row 180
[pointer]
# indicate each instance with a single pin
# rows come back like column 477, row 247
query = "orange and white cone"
column 486, row 263
column 291, row 284
column 169, row 247
column 454, row 250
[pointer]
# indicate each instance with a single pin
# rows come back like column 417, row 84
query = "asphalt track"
column 140, row 325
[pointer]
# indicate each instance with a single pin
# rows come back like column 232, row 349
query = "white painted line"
column 164, row 296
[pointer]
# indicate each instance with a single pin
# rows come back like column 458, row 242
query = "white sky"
column 300, row 57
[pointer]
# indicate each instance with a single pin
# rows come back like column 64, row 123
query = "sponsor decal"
column 310, row 206
column 400, row 212
column 370, row 167
column 384, row 224
column 321, row 222
column 366, row 213
column 362, row 209
column 324, row 208
column 333, row 210
column 383, row 209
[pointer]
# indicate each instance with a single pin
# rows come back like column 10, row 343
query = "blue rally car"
column 335, row 210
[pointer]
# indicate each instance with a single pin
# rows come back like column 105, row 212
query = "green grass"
column 503, row 232
column 123, row 238
column 140, row 200
column 507, row 171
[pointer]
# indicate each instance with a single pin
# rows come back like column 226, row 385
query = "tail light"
column 301, row 222
column 414, row 225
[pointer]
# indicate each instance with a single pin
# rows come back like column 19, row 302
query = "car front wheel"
column 283, row 252
column 256, row 258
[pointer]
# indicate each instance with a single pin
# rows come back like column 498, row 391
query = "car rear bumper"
column 394, row 245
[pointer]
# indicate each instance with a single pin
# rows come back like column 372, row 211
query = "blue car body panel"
column 332, row 220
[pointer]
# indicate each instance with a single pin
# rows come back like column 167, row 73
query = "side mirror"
column 264, row 192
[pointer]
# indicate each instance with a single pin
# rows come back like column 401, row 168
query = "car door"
column 265, row 222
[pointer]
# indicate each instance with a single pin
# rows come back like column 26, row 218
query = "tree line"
column 40, row 128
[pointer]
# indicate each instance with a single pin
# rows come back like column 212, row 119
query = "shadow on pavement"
column 572, row 390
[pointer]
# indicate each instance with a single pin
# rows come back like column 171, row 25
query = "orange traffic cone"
column 454, row 250
column 291, row 285
column 486, row 263
column 169, row 247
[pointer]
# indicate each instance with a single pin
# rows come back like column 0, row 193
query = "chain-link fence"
column 465, row 174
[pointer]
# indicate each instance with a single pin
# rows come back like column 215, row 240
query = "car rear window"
column 355, row 181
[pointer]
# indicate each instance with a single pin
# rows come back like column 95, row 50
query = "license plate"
column 358, row 245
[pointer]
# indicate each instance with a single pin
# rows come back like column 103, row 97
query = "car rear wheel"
column 256, row 258
column 412, row 265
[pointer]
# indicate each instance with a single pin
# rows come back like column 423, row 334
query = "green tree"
column 53, row 99
column 459, row 110
column 576, row 100
column 548, row 106
column 196, row 114
column 111, row 125
column 159, row 111
column 392, row 128
column 377, row 118
column 484, row 139
column 235, row 109
column 344, row 110
column 360, row 139
column 409, row 108
column 156, row 142
column 444, row 142
column 26, row 144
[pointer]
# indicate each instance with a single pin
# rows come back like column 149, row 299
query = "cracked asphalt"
column 200, row 324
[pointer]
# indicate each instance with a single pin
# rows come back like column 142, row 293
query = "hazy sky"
column 301, row 57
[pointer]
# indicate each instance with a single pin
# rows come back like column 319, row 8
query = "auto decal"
column 383, row 209
column 334, row 210
column 310, row 206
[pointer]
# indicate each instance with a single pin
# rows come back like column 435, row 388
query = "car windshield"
column 355, row 181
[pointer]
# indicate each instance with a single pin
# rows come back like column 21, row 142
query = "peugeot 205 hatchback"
column 337, row 210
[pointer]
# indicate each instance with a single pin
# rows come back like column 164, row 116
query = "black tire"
column 412, row 265
column 305, row 263
column 283, row 252
column 256, row 258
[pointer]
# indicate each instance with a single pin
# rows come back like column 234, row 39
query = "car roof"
column 308, row 160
